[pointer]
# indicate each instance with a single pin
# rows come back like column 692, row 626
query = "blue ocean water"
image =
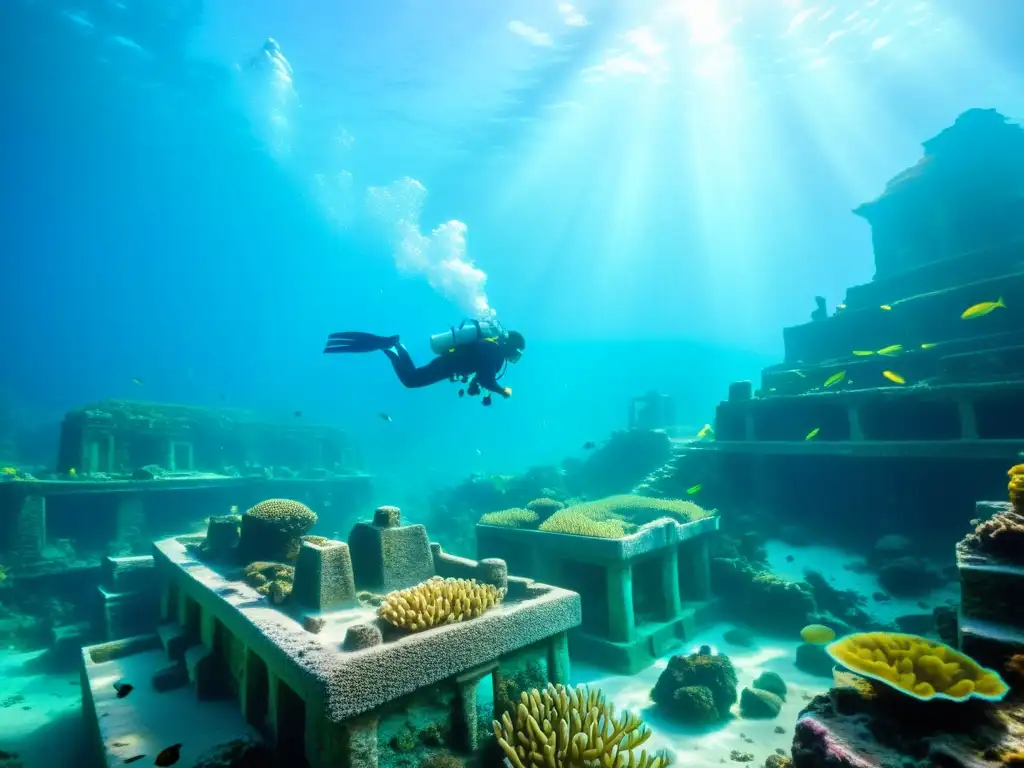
column 648, row 191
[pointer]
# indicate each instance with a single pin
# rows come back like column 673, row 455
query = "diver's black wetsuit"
column 483, row 360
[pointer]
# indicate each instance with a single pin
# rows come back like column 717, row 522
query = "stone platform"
column 323, row 679
column 624, row 628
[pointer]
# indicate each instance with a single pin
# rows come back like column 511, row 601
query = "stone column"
column 31, row 529
column 329, row 744
column 558, row 659
column 695, row 566
column 465, row 714
column 856, row 428
column 968, row 420
column 361, row 738
column 254, row 691
column 621, row 616
column 672, row 606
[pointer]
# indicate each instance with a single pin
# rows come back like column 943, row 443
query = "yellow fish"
column 982, row 309
column 694, row 489
column 863, row 352
column 928, row 346
column 73, row 472
column 892, row 349
column 817, row 634
column 835, row 378
column 894, row 377
column 234, row 509
column 840, row 307
column 813, row 433
column 886, row 307
column 9, row 471
column 705, row 431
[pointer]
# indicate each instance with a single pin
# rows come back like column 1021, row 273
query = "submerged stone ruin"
column 895, row 389
column 643, row 594
column 323, row 655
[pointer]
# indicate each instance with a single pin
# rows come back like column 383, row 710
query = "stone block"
column 324, row 577
column 128, row 574
column 390, row 557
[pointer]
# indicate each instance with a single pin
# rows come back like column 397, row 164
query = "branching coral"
column 577, row 522
column 917, row 667
column 511, row 518
column 545, row 507
column 562, row 727
column 438, row 601
column 1002, row 535
column 271, row 579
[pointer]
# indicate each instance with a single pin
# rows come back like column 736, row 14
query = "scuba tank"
column 467, row 332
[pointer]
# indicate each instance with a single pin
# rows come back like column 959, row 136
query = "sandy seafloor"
column 40, row 714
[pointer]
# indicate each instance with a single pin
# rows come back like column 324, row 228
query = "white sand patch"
column 831, row 563
column 147, row 721
column 40, row 714
column 706, row 747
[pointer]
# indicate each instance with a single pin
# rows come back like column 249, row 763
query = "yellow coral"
column 917, row 667
column 274, row 580
column 290, row 515
column 438, row 601
column 617, row 516
column 511, row 518
column 563, row 727
column 641, row 510
column 577, row 522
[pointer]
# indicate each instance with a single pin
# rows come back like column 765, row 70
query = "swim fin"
column 356, row 342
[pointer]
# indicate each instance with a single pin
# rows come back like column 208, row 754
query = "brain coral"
column 271, row 530
column 917, row 667
column 511, row 518
column 438, row 601
column 572, row 728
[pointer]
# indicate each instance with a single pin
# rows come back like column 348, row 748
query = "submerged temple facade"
column 895, row 403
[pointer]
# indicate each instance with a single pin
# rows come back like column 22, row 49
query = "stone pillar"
column 254, row 691
column 695, row 567
column 31, row 529
column 326, row 742
column 361, row 739
column 748, row 426
column 128, row 525
column 558, row 659
column 968, row 420
column 856, row 429
column 272, row 720
column 621, row 616
column 672, row 606
column 464, row 726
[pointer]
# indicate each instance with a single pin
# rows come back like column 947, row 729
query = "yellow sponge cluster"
column 511, row 518
column 1016, row 487
column 917, row 667
column 617, row 516
column 562, row 726
column 438, row 601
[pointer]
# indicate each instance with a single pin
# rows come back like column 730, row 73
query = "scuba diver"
column 476, row 351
